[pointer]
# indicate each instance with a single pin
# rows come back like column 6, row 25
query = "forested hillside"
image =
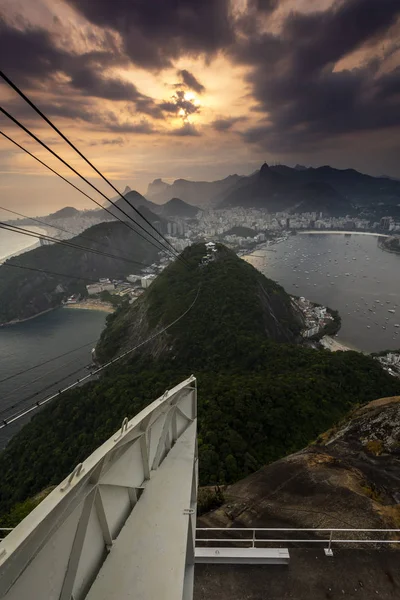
column 260, row 397
column 25, row 293
column 237, row 310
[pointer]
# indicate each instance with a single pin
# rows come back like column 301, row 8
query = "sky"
column 196, row 89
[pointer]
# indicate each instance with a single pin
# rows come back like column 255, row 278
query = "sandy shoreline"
column 328, row 232
column 108, row 308
column 333, row 345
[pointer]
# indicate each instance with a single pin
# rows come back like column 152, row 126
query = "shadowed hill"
column 236, row 304
column 286, row 189
column 25, row 293
column 178, row 208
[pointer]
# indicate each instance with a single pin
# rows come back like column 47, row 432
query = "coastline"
column 333, row 345
column 40, row 231
column 17, row 321
column 383, row 247
column 103, row 307
column 325, row 232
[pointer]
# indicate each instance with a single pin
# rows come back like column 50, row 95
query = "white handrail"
column 242, row 529
column 255, row 541
column 285, row 540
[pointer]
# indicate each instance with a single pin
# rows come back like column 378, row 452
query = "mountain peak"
column 252, row 305
column 64, row 213
column 179, row 208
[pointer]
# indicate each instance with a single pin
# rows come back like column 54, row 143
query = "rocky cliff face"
column 349, row 478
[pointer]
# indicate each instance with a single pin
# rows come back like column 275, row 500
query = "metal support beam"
column 77, row 547
column 103, row 520
column 145, row 456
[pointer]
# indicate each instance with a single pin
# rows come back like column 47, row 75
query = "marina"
column 350, row 274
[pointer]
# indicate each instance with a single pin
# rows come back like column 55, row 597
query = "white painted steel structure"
column 242, row 556
column 122, row 525
column 256, row 538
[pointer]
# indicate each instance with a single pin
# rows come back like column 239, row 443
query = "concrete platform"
column 244, row 556
column 310, row 575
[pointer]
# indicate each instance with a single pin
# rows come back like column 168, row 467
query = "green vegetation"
column 22, row 509
column 260, row 397
column 113, row 299
column 375, row 447
column 209, row 499
column 237, row 310
column 25, row 293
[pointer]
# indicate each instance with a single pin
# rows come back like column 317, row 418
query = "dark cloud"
column 156, row 33
column 190, row 81
column 225, row 124
column 107, row 142
column 187, row 129
column 80, row 110
column 296, row 86
column 179, row 105
column 144, row 127
column 35, row 62
column 92, row 83
column 32, row 55
column 265, row 6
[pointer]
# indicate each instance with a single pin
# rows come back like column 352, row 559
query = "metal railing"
column 331, row 536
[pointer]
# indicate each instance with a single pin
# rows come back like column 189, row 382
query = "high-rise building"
column 385, row 223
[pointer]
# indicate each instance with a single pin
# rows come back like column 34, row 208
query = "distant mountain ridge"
column 135, row 199
column 64, row 213
column 282, row 188
column 202, row 193
column 333, row 191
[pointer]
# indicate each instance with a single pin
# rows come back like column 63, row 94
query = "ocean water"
column 12, row 242
column 25, row 344
column 351, row 274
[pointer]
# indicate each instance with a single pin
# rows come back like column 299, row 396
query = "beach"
column 333, row 345
column 92, row 305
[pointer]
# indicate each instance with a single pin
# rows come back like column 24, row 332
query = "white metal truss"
column 122, row 524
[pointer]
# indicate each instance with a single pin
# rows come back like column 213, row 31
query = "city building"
column 73, row 299
column 104, row 285
column 133, row 278
column 310, row 332
column 147, row 280
column 385, row 223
